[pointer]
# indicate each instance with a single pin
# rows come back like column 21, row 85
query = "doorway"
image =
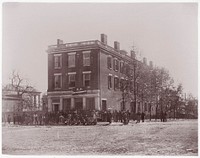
column 104, row 105
column 56, row 107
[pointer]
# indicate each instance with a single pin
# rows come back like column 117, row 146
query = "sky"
column 165, row 33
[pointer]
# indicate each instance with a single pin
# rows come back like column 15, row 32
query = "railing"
column 74, row 44
column 84, row 43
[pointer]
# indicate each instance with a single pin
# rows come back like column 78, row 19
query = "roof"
column 10, row 89
column 92, row 44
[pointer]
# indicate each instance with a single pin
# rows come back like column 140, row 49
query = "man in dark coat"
column 109, row 117
column 9, row 119
column 142, row 116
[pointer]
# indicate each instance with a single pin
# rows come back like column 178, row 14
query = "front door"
column 56, row 107
column 104, row 105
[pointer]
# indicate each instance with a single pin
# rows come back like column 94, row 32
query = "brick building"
column 87, row 75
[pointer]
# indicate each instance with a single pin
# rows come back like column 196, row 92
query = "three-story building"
column 87, row 76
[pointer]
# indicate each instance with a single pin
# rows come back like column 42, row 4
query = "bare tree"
column 160, row 86
column 22, row 88
column 19, row 84
column 126, row 85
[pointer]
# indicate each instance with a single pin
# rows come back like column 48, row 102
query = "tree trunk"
column 150, row 113
column 174, row 111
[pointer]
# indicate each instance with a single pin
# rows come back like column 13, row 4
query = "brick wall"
column 79, row 68
column 114, row 97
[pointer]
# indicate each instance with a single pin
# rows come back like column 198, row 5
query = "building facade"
column 12, row 103
column 87, row 76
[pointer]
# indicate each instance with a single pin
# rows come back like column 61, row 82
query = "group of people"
column 140, row 116
column 83, row 117
column 29, row 119
column 115, row 116
column 163, row 116
column 54, row 118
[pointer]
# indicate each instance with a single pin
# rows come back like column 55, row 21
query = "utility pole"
column 134, row 83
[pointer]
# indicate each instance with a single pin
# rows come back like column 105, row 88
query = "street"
column 179, row 137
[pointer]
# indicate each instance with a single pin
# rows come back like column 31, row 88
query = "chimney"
column 145, row 61
column 104, row 38
column 59, row 41
column 151, row 64
column 117, row 45
column 133, row 54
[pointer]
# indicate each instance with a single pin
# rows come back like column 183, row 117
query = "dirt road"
column 148, row 138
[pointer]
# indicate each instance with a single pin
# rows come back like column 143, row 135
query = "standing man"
column 109, row 117
column 14, row 118
column 162, row 116
column 138, row 117
column 9, row 119
column 142, row 116
column 165, row 116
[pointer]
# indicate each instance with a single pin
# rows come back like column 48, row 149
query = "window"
column 66, row 104
column 122, row 85
column 127, row 69
column 71, row 59
column 116, row 65
column 109, row 62
column 124, row 69
column 57, row 81
column 86, row 79
column 86, row 58
column 109, row 81
column 121, row 67
column 72, row 77
column 90, row 104
column 116, row 83
column 57, row 61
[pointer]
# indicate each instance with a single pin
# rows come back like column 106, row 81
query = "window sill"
column 57, row 67
column 57, row 88
column 87, row 87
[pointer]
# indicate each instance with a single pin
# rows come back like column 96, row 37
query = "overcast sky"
column 164, row 33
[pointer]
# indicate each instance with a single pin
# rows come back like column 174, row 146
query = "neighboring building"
column 87, row 75
column 10, row 104
column 44, row 103
column 14, row 103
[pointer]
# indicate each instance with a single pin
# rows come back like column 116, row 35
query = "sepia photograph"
column 99, row 79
